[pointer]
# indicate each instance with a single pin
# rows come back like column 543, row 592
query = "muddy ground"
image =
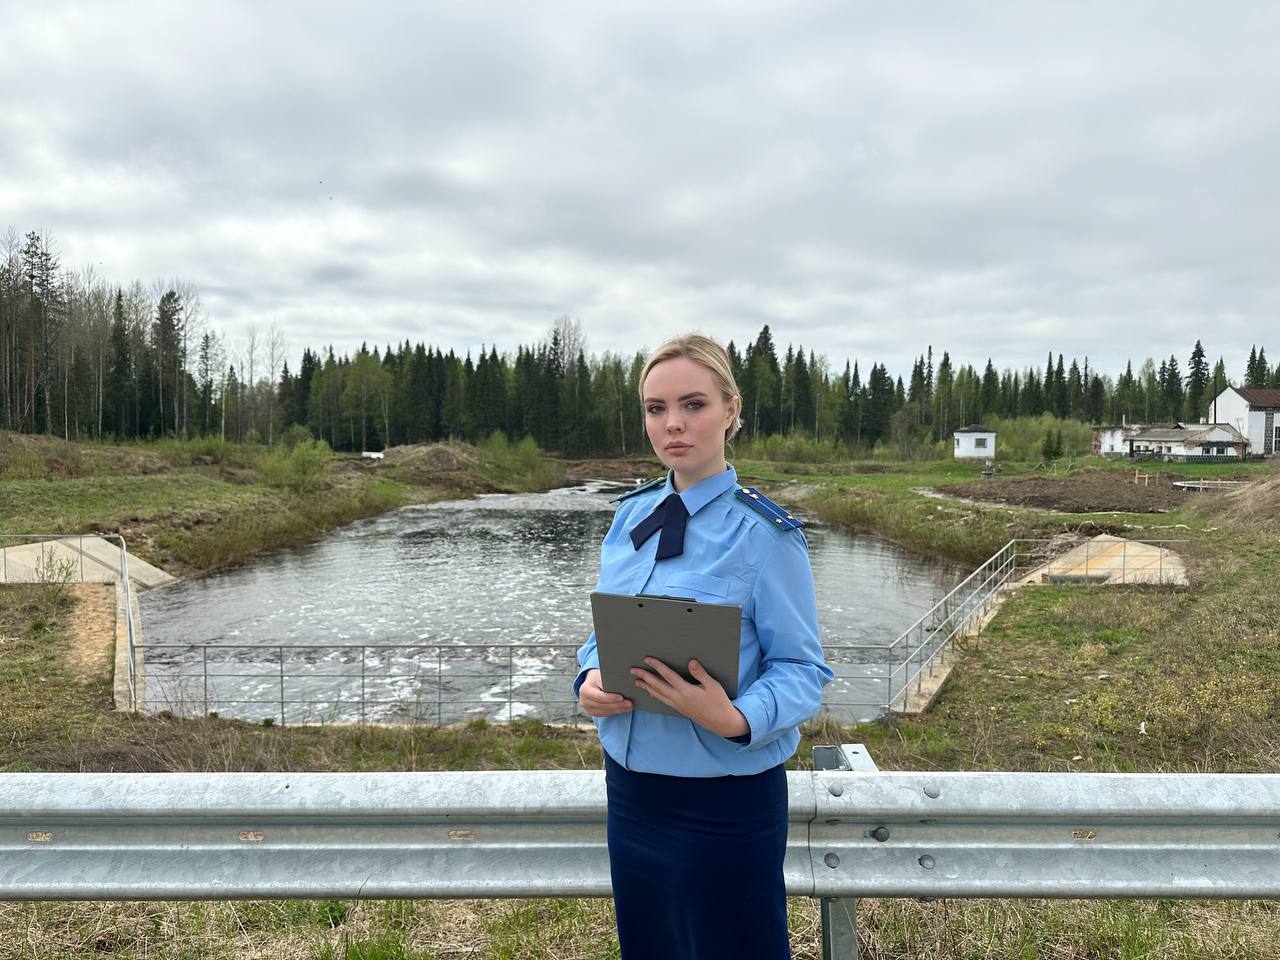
column 1090, row 491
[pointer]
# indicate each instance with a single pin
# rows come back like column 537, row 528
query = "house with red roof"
column 1255, row 412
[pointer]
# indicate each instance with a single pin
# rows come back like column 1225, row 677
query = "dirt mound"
column 453, row 465
column 618, row 468
column 433, row 457
column 1090, row 491
column 1257, row 503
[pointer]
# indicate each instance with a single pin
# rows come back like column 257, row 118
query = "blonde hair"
column 708, row 353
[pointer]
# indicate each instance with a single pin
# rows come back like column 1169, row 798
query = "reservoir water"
column 465, row 608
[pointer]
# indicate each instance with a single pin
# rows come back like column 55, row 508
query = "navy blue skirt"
column 697, row 865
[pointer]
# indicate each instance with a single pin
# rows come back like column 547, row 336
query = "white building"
column 1255, row 412
column 1113, row 441
column 975, row 442
column 1180, row 442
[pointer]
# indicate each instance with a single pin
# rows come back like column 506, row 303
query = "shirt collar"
column 704, row 491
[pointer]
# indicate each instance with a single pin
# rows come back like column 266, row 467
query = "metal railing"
column 448, row 683
column 408, row 683
column 897, row 671
column 62, row 558
column 854, row 832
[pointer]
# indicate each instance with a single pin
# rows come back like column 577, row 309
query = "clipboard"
column 673, row 629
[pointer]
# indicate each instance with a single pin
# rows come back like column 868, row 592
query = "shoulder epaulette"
column 762, row 505
column 648, row 485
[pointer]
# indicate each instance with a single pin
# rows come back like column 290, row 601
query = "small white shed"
column 975, row 442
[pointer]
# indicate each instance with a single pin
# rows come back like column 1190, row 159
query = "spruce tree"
column 1197, row 384
column 120, row 380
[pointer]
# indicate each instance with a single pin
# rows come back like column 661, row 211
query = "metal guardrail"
column 54, row 565
column 854, row 833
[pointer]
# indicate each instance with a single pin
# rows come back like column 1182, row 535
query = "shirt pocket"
column 699, row 586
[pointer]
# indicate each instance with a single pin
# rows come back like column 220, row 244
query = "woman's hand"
column 704, row 701
column 596, row 702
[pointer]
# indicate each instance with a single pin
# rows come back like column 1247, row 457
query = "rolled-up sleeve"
column 792, row 669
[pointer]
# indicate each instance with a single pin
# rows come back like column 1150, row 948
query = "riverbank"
column 191, row 508
column 1064, row 678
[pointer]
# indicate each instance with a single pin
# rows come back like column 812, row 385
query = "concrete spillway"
column 80, row 559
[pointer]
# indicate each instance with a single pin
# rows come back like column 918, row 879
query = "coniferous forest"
column 86, row 359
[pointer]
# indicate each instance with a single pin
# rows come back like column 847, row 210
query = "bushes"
column 300, row 468
column 1017, row 438
column 794, row 448
column 518, row 465
column 1022, row 438
column 212, row 449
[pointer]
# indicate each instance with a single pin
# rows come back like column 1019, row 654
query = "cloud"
column 997, row 180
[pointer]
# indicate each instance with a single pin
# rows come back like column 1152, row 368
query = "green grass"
column 883, row 499
column 582, row 930
column 1061, row 673
column 195, row 506
column 54, row 721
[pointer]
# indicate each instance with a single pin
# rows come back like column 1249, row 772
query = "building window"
column 1222, row 450
column 1204, row 449
column 957, row 443
column 980, row 443
column 1275, row 443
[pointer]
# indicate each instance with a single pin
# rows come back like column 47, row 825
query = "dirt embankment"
column 1090, row 491
column 1257, row 503
column 453, row 466
column 619, row 468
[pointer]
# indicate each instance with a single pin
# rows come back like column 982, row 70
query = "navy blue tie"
column 670, row 517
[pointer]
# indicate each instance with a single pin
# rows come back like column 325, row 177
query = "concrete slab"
column 91, row 559
column 26, row 563
column 1106, row 559
column 107, row 552
column 15, row 568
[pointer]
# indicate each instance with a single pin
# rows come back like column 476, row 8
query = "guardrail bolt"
column 836, row 789
column 927, row 862
column 880, row 833
column 931, row 790
column 831, row 860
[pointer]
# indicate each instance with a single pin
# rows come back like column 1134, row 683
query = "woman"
column 697, row 821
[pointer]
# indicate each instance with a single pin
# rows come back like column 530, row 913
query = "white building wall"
column 967, row 448
column 1112, row 442
column 1257, row 431
column 1233, row 410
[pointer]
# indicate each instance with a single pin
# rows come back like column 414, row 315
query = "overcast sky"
column 997, row 179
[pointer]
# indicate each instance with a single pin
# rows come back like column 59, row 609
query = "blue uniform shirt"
column 732, row 554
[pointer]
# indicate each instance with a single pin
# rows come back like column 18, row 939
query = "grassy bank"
column 195, row 506
column 887, row 500
column 1064, row 678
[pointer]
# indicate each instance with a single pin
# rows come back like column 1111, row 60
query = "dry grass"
column 1256, row 504
column 1061, row 672
column 583, row 930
